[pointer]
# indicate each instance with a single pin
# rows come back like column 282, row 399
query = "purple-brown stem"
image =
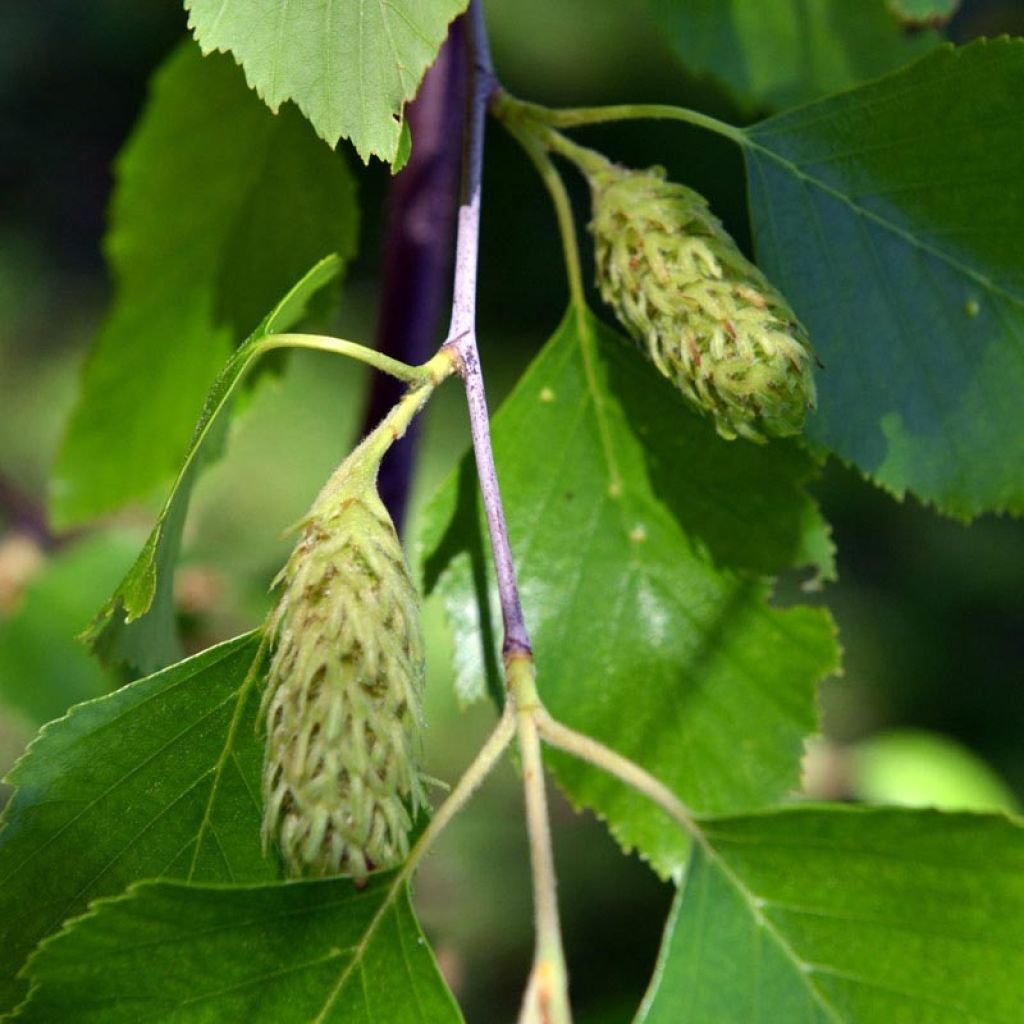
column 417, row 251
column 462, row 332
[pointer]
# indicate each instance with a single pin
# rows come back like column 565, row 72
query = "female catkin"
column 708, row 318
column 344, row 696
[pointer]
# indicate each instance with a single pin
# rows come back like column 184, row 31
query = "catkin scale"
column 343, row 704
column 708, row 318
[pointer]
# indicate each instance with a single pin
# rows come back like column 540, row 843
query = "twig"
column 590, row 750
column 462, row 333
column 418, row 250
column 546, row 1000
column 582, row 116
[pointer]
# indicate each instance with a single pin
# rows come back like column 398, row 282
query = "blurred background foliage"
column 929, row 710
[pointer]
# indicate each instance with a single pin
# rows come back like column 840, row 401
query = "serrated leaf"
column 314, row 951
column 350, row 67
column 642, row 542
column 219, row 207
column 159, row 779
column 43, row 668
column 891, row 218
column 787, row 52
column 843, row 915
column 137, row 624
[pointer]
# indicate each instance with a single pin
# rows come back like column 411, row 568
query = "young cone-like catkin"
column 344, row 695
column 708, row 318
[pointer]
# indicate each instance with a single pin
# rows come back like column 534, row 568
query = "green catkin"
column 707, row 317
column 344, row 696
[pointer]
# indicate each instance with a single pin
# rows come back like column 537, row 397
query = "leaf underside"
column 350, row 67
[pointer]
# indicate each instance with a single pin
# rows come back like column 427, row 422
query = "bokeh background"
column 930, row 708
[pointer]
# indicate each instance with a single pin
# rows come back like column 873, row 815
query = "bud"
column 344, row 693
column 708, row 318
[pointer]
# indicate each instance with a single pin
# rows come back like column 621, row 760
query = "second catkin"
column 708, row 318
column 343, row 705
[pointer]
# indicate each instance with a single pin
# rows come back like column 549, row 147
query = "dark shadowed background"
column 931, row 705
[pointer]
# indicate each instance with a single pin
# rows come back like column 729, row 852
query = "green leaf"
column 43, row 668
column 350, row 67
column 159, row 779
column 137, row 625
column 298, row 952
column 844, row 915
column 924, row 12
column 219, row 207
column 891, row 217
column 643, row 541
column 914, row 768
column 787, row 52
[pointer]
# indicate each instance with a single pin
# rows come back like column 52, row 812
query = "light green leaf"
column 891, row 217
column 219, row 207
column 786, row 52
column 316, row 951
column 349, row 66
column 840, row 915
column 43, row 668
column 137, row 625
column 159, row 779
column 915, row 768
column 643, row 541
column 924, row 12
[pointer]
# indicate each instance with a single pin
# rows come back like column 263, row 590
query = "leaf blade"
column 785, row 53
column 643, row 589
column 218, row 207
column 137, row 624
column 919, row 927
column 122, row 788
column 906, row 272
column 349, row 68
column 296, row 951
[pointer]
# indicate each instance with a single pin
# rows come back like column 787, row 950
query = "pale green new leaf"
column 291, row 953
column 137, row 624
column 349, row 66
column 891, row 218
column 784, row 52
column 159, row 779
column 847, row 916
column 643, row 543
column 219, row 206
column 924, row 12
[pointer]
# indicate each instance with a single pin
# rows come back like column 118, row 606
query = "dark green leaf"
column 840, row 915
column 891, row 217
column 137, row 625
column 301, row 952
column 43, row 668
column 350, row 67
column 219, row 207
column 642, row 541
column 786, row 52
column 160, row 779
